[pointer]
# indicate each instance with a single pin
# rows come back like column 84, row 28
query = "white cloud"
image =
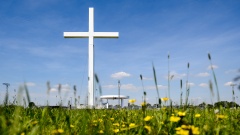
column 130, row 87
column 228, row 83
column 231, row 71
column 30, row 84
column 205, row 74
column 160, row 87
column 110, row 86
column 120, row 75
column 191, row 84
column 213, row 66
column 146, row 78
column 203, row 85
column 175, row 75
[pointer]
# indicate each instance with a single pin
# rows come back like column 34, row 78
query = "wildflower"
column 181, row 113
column 115, row 130
column 216, row 111
column 100, row 120
column 182, row 132
column 195, row 130
column 100, row 132
column 57, row 131
column 132, row 125
column 123, row 125
column 60, row 130
column 219, row 116
column 178, row 128
column 22, row 133
column 185, row 127
column 147, row 118
column 148, row 129
column 71, row 126
column 116, row 124
column 112, row 119
column 197, row 115
column 165, row 99
column 132, row 101
column 174, row 119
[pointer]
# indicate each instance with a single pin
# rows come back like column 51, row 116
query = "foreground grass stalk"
column 187, row 87
column 155, row 80
column 214, row 76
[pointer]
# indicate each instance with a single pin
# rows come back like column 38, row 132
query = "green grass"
column 19, row 120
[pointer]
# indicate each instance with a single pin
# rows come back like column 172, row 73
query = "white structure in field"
column 121, row 97
column 91, row 35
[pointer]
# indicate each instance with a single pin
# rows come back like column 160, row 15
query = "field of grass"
column 19, row 120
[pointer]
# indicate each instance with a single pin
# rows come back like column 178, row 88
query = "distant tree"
column 203, row 104
column 31, row 105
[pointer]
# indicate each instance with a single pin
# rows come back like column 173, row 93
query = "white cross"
column 90, row 35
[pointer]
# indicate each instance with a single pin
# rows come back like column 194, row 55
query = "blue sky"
column 34, row 51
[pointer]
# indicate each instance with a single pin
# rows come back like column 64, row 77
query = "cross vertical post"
column 91, row 35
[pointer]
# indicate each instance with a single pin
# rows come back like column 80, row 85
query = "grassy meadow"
column 164, row 121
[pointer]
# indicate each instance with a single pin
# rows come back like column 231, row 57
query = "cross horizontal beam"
column 89, row 34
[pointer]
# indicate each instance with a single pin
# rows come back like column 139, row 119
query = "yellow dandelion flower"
column 197, row 115
column 100, row 120
column 112, row 119
column 132, row 125
column 60, row 130
column 182, row 132
column 174, row 119
column 185, row 127
column 147, row 118
column 178, row 128
column 181, row 113
column 116, row 124
column 132, row 101
column 100, row 132
column 123, row 125
column 71, row 126
column 219, row 116
column 148, row 129
column 22, row 133
column 165, row 99
column 195, row 130
column 115, row 130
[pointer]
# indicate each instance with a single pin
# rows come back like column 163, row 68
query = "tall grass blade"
column 27, row 93
column 187, row 86
column 169, row 79
column 214, row 76
column 155, row 80
column 211, row 90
